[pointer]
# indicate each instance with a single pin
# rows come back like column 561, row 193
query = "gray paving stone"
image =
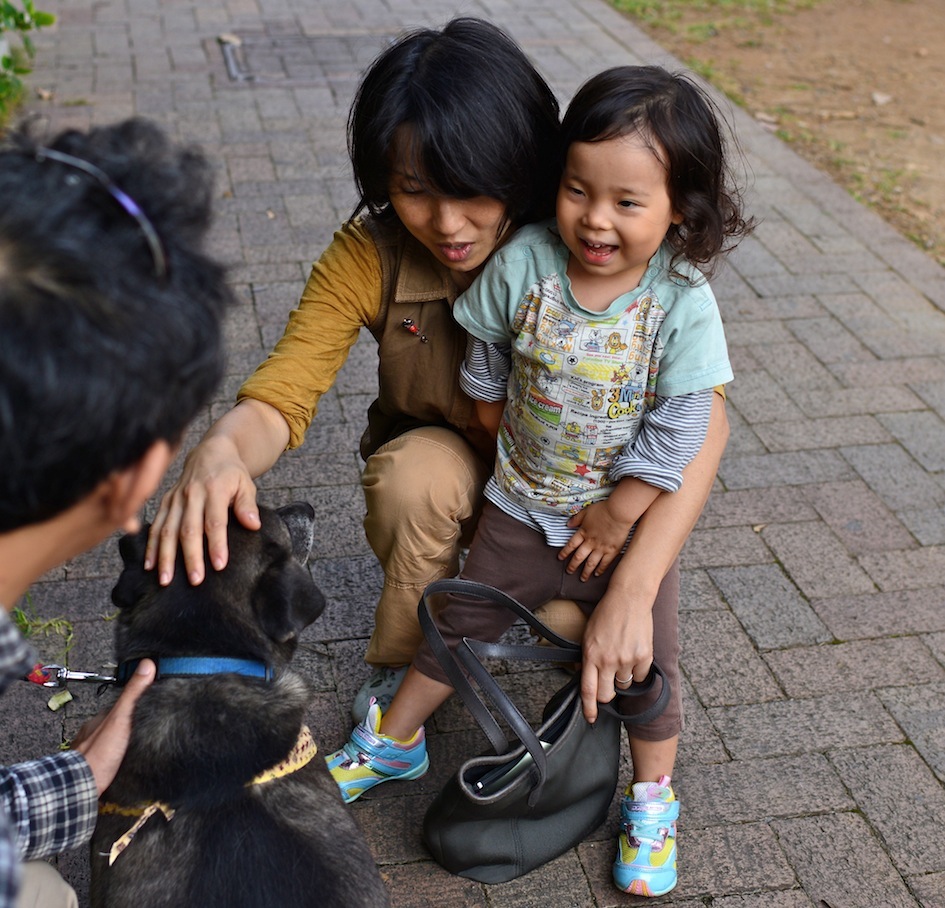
column 759, row 398
column 921, row 433
column 792, row 468
column 748, row 306
column 930, row 890
column 732, row 859
column 755, row 507
column 850, row 401
column 895, row 476
column 807, row 434
column 721, row 662
column 918, row 372
column 920, row 711
column 858, row 517
column 883, row 614
column 861, row 665
column 699, row 742
column 753, row 791
column 815, row 559
column 816, row 284
column 726, row 545
column 901, row 800
column 742, row 438
column 785, row 899
column 782, row 727
column 698, row 592
column 927, row 525
column 931, row 389
column 757, row 334
column 770, row 608
column 868, row 879
column 906, row 570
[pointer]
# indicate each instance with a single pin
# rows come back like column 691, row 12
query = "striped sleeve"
column 485, row 373
column 670, row 437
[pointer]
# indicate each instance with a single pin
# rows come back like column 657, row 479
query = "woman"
column 454, row 141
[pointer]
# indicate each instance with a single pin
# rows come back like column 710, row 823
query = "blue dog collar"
column 196, row 666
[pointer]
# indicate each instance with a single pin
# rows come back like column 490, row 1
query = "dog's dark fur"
column 196, row 742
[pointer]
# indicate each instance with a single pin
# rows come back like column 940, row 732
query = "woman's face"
column 460, row 233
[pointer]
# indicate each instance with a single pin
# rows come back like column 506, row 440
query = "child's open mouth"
column 597, row 252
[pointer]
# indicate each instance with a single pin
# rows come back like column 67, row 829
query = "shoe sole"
column 639, row 886
column 408, row 776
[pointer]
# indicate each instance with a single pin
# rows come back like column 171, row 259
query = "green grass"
column 31, row 625
column 701, row 20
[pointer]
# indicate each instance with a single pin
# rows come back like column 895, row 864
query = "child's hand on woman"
column 601, row 529
column 600, row 535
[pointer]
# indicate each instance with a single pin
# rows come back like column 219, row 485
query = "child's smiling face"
column 614, row 208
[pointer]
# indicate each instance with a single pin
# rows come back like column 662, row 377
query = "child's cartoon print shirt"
column 580, row 383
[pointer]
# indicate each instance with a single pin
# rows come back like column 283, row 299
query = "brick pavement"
column 811, row 769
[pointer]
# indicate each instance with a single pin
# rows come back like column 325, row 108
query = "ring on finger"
column 623, row 680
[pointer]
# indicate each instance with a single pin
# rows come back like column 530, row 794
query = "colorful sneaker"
column 381, row 685
column 646, row 848
column 370, row 758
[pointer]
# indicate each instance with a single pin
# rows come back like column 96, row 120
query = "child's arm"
column 618, row 641
column 670, row 437
column 484, row 376
column 489, row 413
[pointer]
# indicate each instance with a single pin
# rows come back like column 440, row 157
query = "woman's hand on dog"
column 217, row 474
column 103, row 740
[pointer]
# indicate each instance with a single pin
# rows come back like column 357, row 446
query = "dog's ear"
column 131, row 546
column 299, row 517
column 286, row 602
column 133, row 578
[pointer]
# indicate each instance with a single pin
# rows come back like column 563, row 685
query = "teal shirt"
column 582, row 382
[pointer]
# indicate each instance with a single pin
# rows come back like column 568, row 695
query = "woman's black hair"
column 682, row 125
column 481, row 121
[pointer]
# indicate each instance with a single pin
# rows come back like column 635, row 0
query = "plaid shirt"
column 48, row 805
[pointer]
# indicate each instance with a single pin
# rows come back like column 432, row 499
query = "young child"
column 605, row 337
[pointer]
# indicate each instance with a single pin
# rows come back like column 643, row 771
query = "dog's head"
column 254, row 608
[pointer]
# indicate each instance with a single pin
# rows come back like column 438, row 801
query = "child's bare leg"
column 652, row 759
column 415, row 701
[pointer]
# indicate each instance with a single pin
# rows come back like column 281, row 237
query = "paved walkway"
column 812, row 766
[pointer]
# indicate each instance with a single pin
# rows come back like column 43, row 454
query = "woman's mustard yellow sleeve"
column 342, row 295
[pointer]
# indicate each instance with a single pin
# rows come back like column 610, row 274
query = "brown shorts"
column 512, row 557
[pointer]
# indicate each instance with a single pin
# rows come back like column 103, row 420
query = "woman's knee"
column 426, row 482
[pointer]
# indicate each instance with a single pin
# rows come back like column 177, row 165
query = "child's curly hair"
column 682, row 126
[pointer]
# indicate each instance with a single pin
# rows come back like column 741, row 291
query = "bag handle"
column 470, row 652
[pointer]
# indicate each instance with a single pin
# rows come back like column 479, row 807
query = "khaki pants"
column 43, row 887
column 423, row 492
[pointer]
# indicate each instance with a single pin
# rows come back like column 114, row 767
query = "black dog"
column 221, row 800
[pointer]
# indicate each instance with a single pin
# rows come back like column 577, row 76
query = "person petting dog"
column 605, row 336
column 110, row 342
column 454, row 141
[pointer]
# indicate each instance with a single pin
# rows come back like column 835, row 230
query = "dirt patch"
column 855, row 86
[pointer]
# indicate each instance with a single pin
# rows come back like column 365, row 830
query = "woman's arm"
column 619, row 636
column 278, row 402
column 219, row 472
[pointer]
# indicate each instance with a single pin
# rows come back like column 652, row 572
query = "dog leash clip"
column 57, row 676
